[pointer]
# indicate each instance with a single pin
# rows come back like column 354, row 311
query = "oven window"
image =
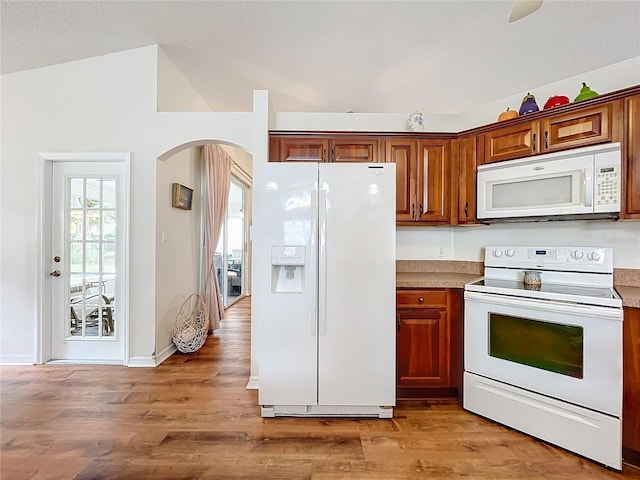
column 548, row 346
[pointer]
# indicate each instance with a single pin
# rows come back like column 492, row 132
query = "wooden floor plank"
column 193, row 418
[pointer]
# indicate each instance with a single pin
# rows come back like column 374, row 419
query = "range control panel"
column 578, row 259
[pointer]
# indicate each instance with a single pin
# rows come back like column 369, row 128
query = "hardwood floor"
column 192, row 418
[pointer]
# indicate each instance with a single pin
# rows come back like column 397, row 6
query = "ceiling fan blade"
column 522, row 8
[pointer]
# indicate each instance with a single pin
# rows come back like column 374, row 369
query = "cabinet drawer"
column 421, row 298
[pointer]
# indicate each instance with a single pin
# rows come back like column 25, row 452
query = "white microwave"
column 583, row 183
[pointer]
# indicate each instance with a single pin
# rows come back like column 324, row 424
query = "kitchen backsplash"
column 436, row 266
column 626, row 276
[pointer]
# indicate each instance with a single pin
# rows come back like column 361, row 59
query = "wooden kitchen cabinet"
column 404, row 153
column 550, row 132
column 513, row 141
column 631, row 386
column 467, row 172
column 311, row 148
column 428, row 343
column 354, row 150
column 587, row 126
column 433, row 182
column 631, row 159
column 436, row 172
column 298, row 149
column 423, row 180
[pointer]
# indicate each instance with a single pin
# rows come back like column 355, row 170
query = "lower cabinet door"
column 422, row 349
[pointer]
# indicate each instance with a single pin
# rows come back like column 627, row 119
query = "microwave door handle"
column 588, row 187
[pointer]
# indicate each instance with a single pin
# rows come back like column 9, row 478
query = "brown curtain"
column 217, row 177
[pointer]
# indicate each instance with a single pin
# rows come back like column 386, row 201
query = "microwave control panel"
column 607, row 181
column 607, row 186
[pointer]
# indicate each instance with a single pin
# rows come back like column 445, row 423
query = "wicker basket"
column 190, row 330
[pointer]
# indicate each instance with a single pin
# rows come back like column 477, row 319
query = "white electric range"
column 545, row 356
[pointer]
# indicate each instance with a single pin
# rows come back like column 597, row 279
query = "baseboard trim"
column 166, row 353
column 142, row 362
column 17, row 359
column 253, row 383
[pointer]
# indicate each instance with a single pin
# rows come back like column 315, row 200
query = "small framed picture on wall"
column 182, row 197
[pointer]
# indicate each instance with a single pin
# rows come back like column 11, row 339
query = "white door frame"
column 43, row 241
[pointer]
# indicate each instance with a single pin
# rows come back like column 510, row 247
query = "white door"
column 357, row 282
column 87, row 261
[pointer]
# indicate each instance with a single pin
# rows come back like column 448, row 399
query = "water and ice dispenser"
column 287, row 269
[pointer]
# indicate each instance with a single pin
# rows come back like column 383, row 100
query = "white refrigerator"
column 324, row 289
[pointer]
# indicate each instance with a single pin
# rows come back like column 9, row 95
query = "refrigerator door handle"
column 322, row 262
column 311, row 257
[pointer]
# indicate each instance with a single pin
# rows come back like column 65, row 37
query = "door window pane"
column 93, row 226
column 76, row 225
column 108, row 194
column 109, row 226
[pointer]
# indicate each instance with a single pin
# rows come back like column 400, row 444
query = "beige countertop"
column 627, row 284
column 630, row 295
column 455, row 274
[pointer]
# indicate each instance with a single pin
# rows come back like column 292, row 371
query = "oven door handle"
column 612, row 313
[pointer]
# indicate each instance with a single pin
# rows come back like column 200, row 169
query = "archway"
column 179, row 232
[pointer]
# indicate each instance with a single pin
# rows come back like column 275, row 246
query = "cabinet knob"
column 420, row 300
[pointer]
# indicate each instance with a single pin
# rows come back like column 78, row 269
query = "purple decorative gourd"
column 529, row 105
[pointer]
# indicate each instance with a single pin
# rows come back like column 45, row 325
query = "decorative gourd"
column 556, row 101
column 585, row 93
column 507, row 115
column 529, row 104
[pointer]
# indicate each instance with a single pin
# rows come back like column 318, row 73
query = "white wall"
column 175, row 92
column 178, row 248
column 264, row 121
column 603, row 80
column 468, row 242
column 101, row 104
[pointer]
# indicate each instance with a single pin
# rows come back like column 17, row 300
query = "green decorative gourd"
column 585, row 93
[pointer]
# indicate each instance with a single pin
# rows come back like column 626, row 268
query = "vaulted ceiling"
column 336, row 56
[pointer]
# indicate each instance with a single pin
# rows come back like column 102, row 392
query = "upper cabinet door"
column 433, row 181
column 631, row 181
column 579, row 128
column 298, row 149
column 403, row 153
column 466, row 181
column 354, row 150
column 515, row 141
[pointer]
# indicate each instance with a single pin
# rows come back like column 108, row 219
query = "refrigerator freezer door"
column 357, row 255
column 287, row 317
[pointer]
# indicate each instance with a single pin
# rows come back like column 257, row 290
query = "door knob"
column 55, row 273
